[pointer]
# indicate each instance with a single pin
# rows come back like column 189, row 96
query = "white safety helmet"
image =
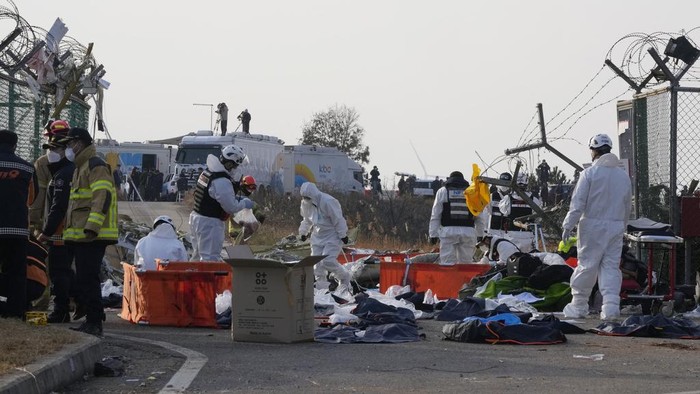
column 232, row 153
column 163, row 219
column 600, row 140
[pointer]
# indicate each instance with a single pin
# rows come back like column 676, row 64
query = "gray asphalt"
column 431, row 365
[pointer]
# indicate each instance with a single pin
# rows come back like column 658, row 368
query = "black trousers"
column 62, row 275
column 13, row 260
column 246, row 127
column 88, row 262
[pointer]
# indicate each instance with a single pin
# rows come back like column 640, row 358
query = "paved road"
column 432, row 365
column 146, row 212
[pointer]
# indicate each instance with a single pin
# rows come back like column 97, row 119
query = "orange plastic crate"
column 444, row 280
column 222, row 271
column 172, row 297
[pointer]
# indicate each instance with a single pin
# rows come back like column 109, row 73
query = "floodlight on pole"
column 211, row 113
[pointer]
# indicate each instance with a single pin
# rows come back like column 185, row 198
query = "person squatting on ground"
column 323, row 219
column 17, row 191
column 60, row 255
column 214, row 202
column 161, row 243
column 91, row 223
column 452, row 224
column 600, row 206
column 497, row 249
column 506, row 205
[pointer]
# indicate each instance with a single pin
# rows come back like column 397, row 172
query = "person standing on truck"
column 214, row 202
column 244, row 117
column 222, row 110
column 600, row 207
column 374, row 180
column 453, row 224
column 323, row 220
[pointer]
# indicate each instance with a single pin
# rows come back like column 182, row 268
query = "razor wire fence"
column 26, row 114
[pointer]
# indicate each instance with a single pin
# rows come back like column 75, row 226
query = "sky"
column 456, row 81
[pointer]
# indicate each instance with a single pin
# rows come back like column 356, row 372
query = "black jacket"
column 57, row 196
column 18, row 187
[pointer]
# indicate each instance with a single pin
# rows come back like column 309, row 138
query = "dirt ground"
column 22, row 343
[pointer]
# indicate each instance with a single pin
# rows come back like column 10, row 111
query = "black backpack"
column 547, row 275
column 522, row 264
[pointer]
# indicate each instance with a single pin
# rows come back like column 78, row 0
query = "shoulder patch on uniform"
column 58, row 182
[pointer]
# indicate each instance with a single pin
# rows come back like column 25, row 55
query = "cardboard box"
column 272, row 301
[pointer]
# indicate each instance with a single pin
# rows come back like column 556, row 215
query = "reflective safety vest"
column 455, row 211
column 92, row 203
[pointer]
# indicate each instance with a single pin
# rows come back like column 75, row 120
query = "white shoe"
column 571, row 312
column 694, row 314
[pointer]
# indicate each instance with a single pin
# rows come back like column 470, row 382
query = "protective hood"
column 607, row 160
column 310, row 190
column 214, row 165
column 456, row 180
column 164, row 231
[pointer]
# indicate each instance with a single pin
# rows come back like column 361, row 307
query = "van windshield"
column 196, row 154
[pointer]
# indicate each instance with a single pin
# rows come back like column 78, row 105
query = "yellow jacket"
column 93, row 200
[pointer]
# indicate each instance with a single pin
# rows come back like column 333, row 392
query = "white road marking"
column 182, row 379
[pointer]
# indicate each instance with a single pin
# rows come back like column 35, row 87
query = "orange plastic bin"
column 444, row 280
column 169, row 297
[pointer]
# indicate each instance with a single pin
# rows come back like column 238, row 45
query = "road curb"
column 56, row 371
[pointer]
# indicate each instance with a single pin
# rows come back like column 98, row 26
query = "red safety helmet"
column 248, row 184
column 57, row 126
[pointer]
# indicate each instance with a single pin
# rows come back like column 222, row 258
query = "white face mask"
column 70, row 154
column 53, row 157
column 484, row 248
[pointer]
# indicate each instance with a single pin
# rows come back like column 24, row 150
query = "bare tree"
column 337, row 127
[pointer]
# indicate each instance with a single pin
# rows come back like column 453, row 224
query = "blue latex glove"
column 247, row 203
column 565, row 234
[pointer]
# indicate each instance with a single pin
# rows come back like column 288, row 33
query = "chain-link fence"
column 23, row 113
column 666, row 142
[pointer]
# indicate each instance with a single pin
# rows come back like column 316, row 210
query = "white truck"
column 273, row 165
column 145, row 156
column 262, row 150
column 327, row 167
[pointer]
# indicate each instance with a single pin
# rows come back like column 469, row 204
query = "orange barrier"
column 222, row 270
column 444, row 280
column 172, row 297
column 349, row 257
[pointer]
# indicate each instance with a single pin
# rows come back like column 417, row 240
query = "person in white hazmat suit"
column 505, row 206
column 497, row 249
column 453, row 224
column 161, row 243
column 600, row 206
column 323, row 218
column 214, row 202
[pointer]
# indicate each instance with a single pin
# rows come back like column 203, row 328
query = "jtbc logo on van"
column 260, row 278
column 325, row 169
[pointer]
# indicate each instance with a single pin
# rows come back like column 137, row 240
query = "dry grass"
column 22, row 343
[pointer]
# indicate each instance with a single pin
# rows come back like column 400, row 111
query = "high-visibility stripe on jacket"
column 92, row 203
